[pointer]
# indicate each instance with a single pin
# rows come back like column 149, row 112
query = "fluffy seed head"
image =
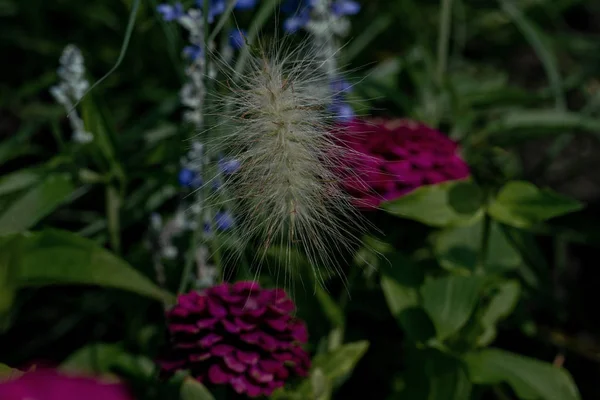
column 287, row 189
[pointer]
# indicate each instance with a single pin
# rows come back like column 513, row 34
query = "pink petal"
column 206, row 323
column 230, row 326
column 234, row 364
column 249, row 357
column 183, row 328
column 217, row 375
column 216, row 309
column 209, row 340
column 199, row 357
column 278, row 324
column 221, row 349
column 245, row 326
column 260, row 376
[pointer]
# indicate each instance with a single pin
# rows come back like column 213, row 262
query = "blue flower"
column 340, row 85
column 193, row 52
column 294, row 6
column 189, row 178
column 229, row 166
column 218, row 7
column 295, row 23
column 245, row 4
column 170, row 12
column 343, row 112
column 224, row 221
column 345, row 7
column 237, row 38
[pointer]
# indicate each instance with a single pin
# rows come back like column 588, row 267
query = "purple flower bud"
column 345, row 7
column 170, row 12
column 193, row 52
column 237, row 38
column 189, row 178
column 243, row 5
column 254, row 348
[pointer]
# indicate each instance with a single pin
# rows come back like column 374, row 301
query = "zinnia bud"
column 239, row 335
column 394, row 157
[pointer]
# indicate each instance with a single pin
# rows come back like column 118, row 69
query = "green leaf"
column 433, row 375
column 404, row 303
column 530, row 379
column 521, row 204
column 448, row 379
column 518, row 126
column 338, row 364
column 56, row 257
column 501, row 305
column 457, row 249
column 431, row 205
column 8, row 272
column 400, row 285
column 18, row 180
column 331, row 309
column 103, row 358
column 541, row 45
column 29, row 209
column 450, row 301
column 7, row 373
column 320, row 385
column 191, row 389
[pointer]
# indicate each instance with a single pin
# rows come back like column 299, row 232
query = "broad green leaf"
column 431, row 205
column 320, row 385
column 18, row 180
column 530, row 379
column 191, row 389
column 518, row 126
column 339, row 363
column 35, row 204
column 404, row 303
column 450, row 301
column 459, row 248
column 521, row 204
column 433, row 375
column 501, row 305
column 56, row 257
column 448, row 379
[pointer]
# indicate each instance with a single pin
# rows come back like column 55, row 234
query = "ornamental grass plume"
column 281, row 130
column 396, row 157
column 239, row 335
column 49, row 384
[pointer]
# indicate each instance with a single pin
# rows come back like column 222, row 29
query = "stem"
column 485, row 239
column 444, row 39
column 198, row 234
column 113, row 208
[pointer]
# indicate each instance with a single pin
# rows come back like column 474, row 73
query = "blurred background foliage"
column 518, row 87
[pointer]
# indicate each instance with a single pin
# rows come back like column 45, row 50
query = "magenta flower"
column 390, row 158
column 239, row 335
column 49, row 384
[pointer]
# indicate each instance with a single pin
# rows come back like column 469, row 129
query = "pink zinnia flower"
column 47, row 384
column 390, row 158
column 239, row 335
